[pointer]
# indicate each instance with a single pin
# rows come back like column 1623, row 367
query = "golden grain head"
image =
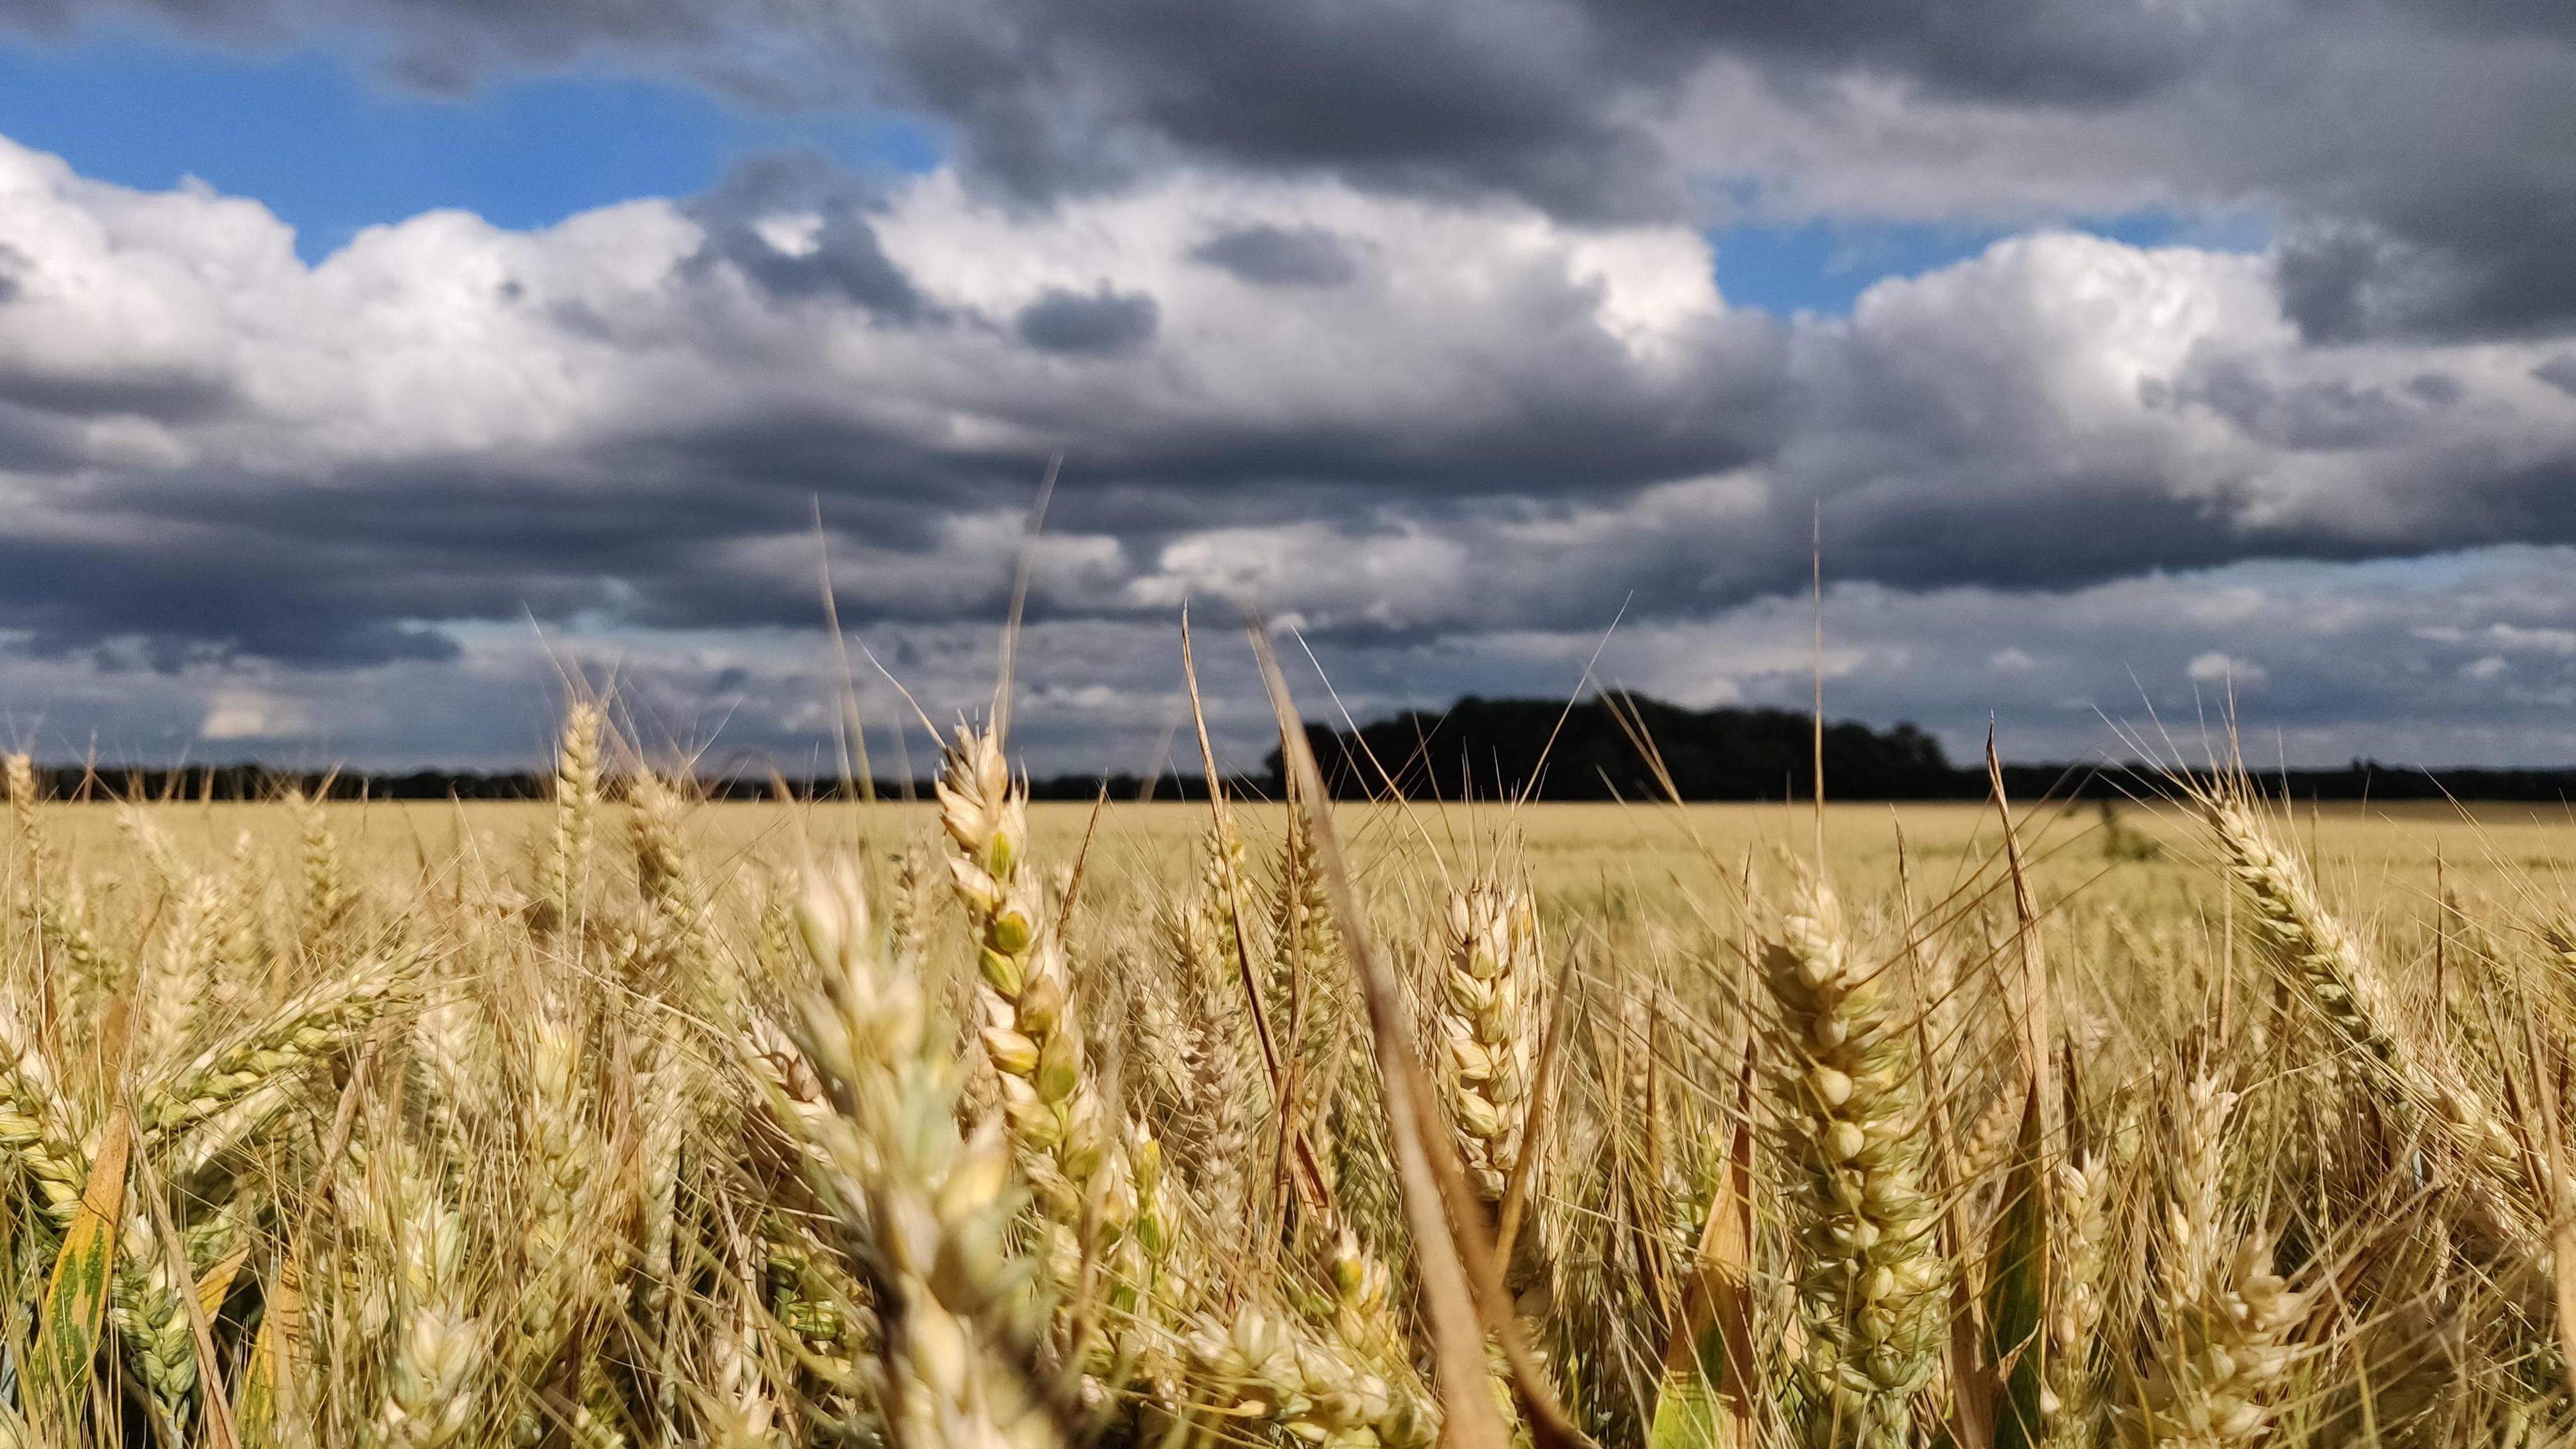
column 633, row 1118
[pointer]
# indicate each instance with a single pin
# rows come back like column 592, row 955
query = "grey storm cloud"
column 2398, row 145
column 1504, row 421
column 833, row 250
column 1395, row 319
column 1103, row 323
column 1277, row 256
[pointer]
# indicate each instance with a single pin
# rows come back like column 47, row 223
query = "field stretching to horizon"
column 629, row 1119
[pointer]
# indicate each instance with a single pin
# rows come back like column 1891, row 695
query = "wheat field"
column 632, row 1119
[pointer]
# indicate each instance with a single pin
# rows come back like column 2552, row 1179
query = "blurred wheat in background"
column 635, row 1120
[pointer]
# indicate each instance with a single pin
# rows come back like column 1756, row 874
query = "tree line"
column 1618, row 747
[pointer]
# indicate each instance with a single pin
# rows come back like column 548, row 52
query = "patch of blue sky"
column 311, row 134
column 2500, row 570
column 1822, row 266
column 2433, row 573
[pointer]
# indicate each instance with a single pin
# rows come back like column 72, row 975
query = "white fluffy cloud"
column 1450, row 437
column 2398, row 148
column 443, row 334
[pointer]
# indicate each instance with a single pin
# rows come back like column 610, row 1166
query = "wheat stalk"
column 327, row 900
column 92, row 969
column 1207, row 1055
column 668, row 1089
column 908, row 923
column 738, row 1407
column 439, row 1345
column 2226, row 1317
column 923, row 1207
column 577, row 798
column 678, row 936
column 506, row 1148
column 18, row 782
column 232, row 1090
column 147, row 1301
column 1033, row 1033
column 1489, row 1017
column 2341, row 981
column 1869, row 1281
column 563, row 1160
column 2080, row 1215
column 1263, row 1368
column 36, row 1126
column 236, row 944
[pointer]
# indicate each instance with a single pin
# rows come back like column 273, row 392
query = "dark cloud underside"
column 1396, row 319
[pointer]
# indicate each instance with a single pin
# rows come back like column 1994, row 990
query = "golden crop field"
column 631, row 1119
column 2372, row 859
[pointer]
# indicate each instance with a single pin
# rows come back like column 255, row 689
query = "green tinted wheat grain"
column 1869, row 1280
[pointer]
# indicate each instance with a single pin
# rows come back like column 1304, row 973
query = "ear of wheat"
column 2075, row 1298
column 577, row 801
column 439, row 1343
column 610, row 1121
column 1490, row 1018
column 2226, row 1316
column 2316, row 953
column 924, row 1208
column 1869, row 1289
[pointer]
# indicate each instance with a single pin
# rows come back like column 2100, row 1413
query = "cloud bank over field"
column 1399, row 321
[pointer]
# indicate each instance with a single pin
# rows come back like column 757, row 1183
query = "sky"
column 372, row 371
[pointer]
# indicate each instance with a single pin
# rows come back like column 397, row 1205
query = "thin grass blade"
column 1705, row 1400
column 76, row 1292
column 2017, row 1290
